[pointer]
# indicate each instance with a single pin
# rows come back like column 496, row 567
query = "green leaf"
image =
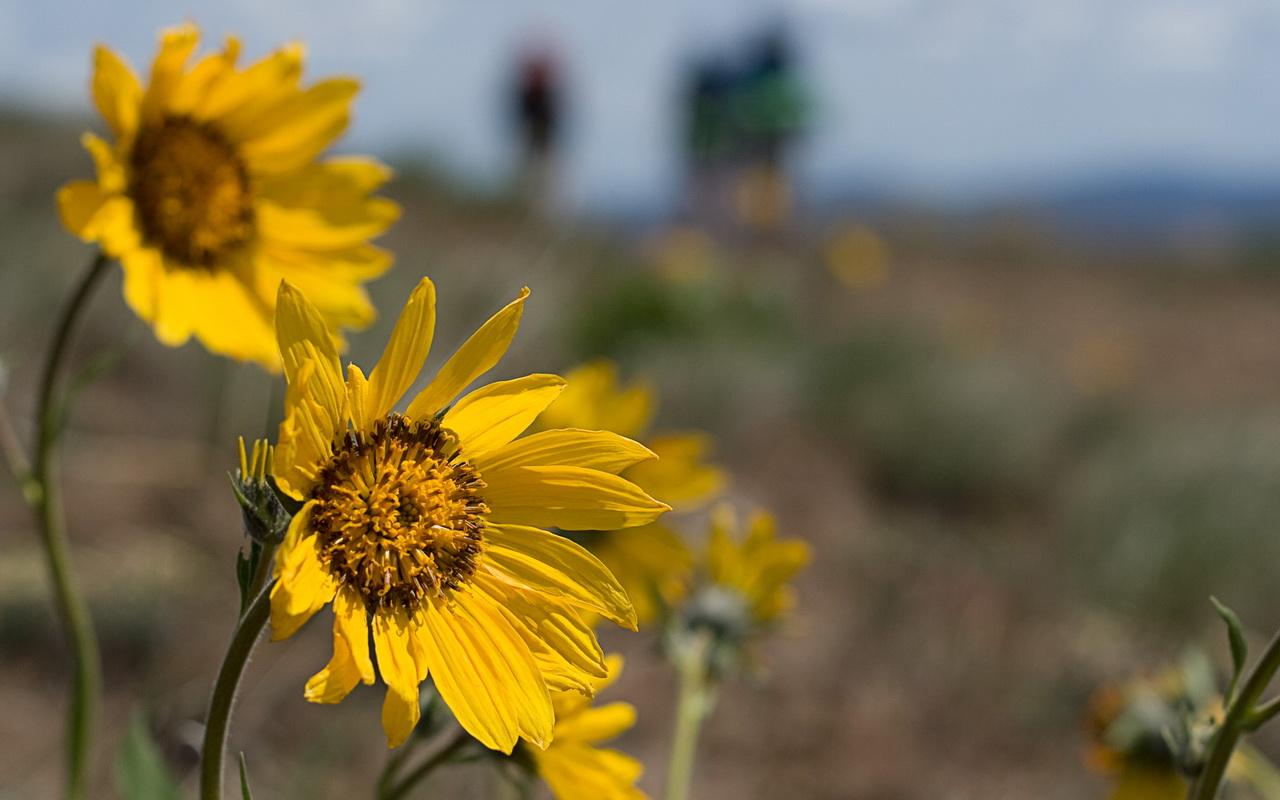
column 244, row 779
column 141, row 773
column 1239, row 650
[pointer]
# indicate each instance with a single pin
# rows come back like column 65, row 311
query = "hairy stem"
column 218, row 721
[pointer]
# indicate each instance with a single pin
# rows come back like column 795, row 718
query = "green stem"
column 459, row 741
column 42, row 493
column 1234, row 724
column 692, row 706
column 218, row 721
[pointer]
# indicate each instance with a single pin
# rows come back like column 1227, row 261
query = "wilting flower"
column 573, row 766
column 211, row 192
column 428, row 525
column 652, row 562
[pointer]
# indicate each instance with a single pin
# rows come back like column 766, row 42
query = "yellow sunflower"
column 758, row 568
column 573, row 766
column 427, row 526
column 211, row 192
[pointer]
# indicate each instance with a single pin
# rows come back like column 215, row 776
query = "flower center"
column 398, row 514
column 191, row 191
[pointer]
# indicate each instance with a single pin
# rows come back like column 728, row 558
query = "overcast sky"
column 936, row 97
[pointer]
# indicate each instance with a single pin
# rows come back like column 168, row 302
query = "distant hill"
column 1145, row 204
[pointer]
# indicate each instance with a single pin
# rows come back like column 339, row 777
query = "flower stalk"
column 1242, row 716
column 41, row 491
column 695, row 699
column 218, row 721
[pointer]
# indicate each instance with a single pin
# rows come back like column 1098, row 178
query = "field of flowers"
column 930, row 524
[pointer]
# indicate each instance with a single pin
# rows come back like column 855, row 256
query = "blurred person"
column 708, row 134
column 537, row 103
column 742, row 116
column 770, row 113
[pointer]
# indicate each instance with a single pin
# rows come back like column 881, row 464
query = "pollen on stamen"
column 398, row 513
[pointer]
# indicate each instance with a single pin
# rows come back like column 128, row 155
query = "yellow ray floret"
column 574, row 766
column 211, row 191
column 427, row 527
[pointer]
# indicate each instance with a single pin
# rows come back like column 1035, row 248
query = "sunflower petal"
column 358, row 397
column 240, row 327
column 176, row 46
column 602, row 450
column 241, row 96
column 303, row 335
column 392, row 632
column 406, row 351
column 569, row 498
column 493, row 415
column 553, row 565
column 485, row 674
column 352, row 621
column 305, row 440
column 116, row 92
column 302, row 586
column 333, row 683
column 577, row 772
column 297, row 130
column 598, row 723
column 194, row 85
column 477, row 356
column 563, row 644
column 79, row 204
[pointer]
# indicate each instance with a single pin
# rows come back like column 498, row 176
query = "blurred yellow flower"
column 757, row 568
column 858, row 257
column 573, row 766
column 211, row 193
column 594, row 400
column 653, row 563
column 428, row 526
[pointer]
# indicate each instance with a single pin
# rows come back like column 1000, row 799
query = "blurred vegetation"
column 1171, row 512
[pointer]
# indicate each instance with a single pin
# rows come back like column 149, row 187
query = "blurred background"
column 980, row 299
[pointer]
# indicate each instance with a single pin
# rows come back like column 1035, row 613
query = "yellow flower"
column 756, row 569
column 651, row 562
column 428, row 526
column 594, row 400
column 573, row 766
column 211, row 193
